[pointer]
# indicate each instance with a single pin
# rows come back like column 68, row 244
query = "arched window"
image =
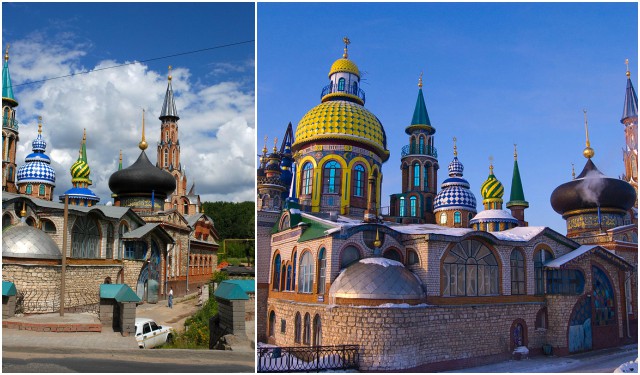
column 41, row 191
column 426, row 178
column 358, row 181
column 276, row 272
column 349, row 255
column 166, row 157
column 307, row 178
column 6, row 220
column 421, row 145
column 539, row 259
column 470, row 216
column 402, row 208
column 457, row 218
column 272, row 323
column 305, row 280
column 31, row 222
column 541, row 319
column 295, row 260
column 121, row 231
column 322, row 268
column 416, row 175
column 297, row 328
column 288, row 286
column 392, row 254
column 470, row 269
column 412, row 205
column 185, row 207
column 28, row 189
column 443, row 218
column 331, row 177
column 283, row 277
column 110, row 233
column 517, row 272
column 85, row 238
column 517, row 335
column 306, row 335
column 412, row 257
column 341, row 84
column 355, row 88
column 48, row 226
column 317, row 330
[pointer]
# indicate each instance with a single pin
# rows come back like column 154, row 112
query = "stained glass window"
column 276, row 272
column 412, row 204
column 416, row 175
column 470, row 269
column 402, row 208
column 307, row 173
column 322, row 265
column 332, row 177
column 85, row 238
column 517, row 272
column 604, row 305
column 358, row 180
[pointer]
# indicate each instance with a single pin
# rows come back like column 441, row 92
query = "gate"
column 306, row 359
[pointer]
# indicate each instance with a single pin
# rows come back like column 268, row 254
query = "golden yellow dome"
column 340, row 119
column 344, row 65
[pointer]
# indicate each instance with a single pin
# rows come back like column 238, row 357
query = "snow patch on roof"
column 558, row 262
column 518, row 233
column 493, row 215
column 384, row 262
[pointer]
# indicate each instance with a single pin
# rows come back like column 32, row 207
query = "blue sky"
column 214, row 89
column 494, row 75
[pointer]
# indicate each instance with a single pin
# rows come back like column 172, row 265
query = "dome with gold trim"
column 344, row 65
column 341, row 119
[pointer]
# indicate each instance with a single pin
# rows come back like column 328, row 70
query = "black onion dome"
column 592, row 189
column 142, row 177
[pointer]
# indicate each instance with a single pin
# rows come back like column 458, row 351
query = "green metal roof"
column 420, row 115
column 517, row 193
column 247, row 285
column 7, row 88
column 119, row 292
column 8, row 289
column 313, row 230
column 230, row 291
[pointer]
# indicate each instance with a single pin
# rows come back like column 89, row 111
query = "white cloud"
column 216, row 127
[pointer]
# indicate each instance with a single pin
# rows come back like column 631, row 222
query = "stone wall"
column 426, row 337
column 8, row 306
column 232, row 316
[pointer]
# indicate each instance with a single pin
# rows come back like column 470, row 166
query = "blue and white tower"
column 36, row 177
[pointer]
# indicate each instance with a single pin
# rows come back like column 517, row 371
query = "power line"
column 137, row 62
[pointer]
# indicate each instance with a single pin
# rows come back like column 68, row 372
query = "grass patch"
column 196, row 332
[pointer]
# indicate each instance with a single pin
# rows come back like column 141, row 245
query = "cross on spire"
column 346, row 46
column 455, row 148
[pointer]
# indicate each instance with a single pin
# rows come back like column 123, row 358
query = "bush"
column 196, row 333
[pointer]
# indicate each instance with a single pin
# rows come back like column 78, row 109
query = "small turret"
column 517, row 204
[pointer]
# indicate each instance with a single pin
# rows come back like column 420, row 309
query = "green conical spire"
column 517, row 193
column 120, row 162
column 420, row 115
column 7, row 88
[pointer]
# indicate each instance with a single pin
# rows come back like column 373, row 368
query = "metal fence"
column 37, row 301
column 307, row 359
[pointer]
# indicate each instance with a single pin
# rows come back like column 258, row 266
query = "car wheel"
column 170, row 339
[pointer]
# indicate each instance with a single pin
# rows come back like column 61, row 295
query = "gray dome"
column 378, row 279
column 23, row 241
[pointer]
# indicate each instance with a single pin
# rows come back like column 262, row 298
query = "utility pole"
column 64, row 253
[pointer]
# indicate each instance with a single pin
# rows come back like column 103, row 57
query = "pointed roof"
column 517, row 193
column 630, row 101
column 169, row 106
column 420, row 117
column 7, row 87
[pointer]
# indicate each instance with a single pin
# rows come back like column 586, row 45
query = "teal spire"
column 420, row 115
column 517, row 193
column 7, row 88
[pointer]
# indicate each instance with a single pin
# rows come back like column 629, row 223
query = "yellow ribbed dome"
column 340, row 119
column 492, row 188
column 344, row 65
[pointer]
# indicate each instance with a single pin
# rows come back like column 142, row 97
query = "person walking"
column 171, row 298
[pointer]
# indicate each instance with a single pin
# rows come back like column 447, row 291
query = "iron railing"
column 9, row 123
column 38, row 301
column 310, row 358
column 348, row 89
column 419, row 150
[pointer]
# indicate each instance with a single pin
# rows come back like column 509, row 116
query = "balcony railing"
column 419, row 150
column 352, row 90
column 9, row 123
column 311, row 358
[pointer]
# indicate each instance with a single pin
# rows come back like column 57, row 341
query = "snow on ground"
column 631, row 366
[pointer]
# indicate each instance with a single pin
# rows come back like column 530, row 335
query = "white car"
column 149, row 334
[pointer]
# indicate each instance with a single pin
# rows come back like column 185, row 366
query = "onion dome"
column 592, row 189
column 142, row 177
column 491, row 189
column 80, row 194
column 36, row 168
column 455, row 193
column 344, row 65
column 379, row 279
column 342, row 120
column 23, row 241
column 630, row 110
column 7, row 87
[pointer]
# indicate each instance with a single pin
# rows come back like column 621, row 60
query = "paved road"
column 34, row 360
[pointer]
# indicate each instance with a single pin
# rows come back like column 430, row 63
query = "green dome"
column 492, row 188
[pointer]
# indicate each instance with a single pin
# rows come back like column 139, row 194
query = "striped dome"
column 492, row 188
column 344, row 65
column 341, row 119
column 80, row 170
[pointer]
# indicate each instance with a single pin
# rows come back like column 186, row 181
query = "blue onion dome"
column 80, row 194
column 36, row 168
column 142, row 177
column 456, row 191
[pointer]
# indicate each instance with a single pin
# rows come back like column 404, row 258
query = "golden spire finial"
column 455, row 148
column 588, row 151
column 275, row 141
column 515, row 151
column 573, row 171
column 346, row 46
column 170, row 72
column 39, row 124
column 120, row 156
column 626, row 62
column 490, row 164
column 377, row 241
column 6, row 53
column 264, row 149
column 143, row 143
column 23, row 213
column 420, row 81
column 84, row 135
